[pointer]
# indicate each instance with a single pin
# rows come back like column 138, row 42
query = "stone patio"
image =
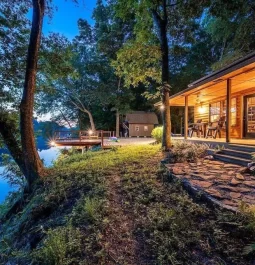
column 227, row 184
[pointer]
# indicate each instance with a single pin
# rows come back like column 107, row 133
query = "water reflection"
column 48, row 157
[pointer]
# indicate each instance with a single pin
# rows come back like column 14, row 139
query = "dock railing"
column 82, row 135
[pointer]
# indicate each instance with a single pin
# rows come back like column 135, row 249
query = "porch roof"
column 242, row 76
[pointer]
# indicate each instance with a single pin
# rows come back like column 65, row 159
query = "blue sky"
column 65, row 17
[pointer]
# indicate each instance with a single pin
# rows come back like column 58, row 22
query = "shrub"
column 88, row 210
column 61, row 247
column 248, row 212
column 157, row 134
column 185, row 151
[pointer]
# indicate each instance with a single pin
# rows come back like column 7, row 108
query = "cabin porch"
column 227, row 95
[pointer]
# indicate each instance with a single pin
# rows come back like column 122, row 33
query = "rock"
column 229, row 202
column 178, row 171
column 227, row 188
column 252, row 169
column 203, row 184
column 209, row 157
column 252, row 164
column 216, row 171
column 231, row 172
column 204, row 177
column 225, row 177
column 249, row 197
column 244, row 170
column 215, row 193
column 239, row 176
column 249, row 183
column 215, row 162
column 243, row 190
column 234, row 189
column 235, row 195
column 235, row 182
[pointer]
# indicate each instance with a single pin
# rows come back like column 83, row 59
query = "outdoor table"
column 202, row 125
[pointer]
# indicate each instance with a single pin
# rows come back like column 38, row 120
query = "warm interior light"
column 90, row 132
column 201, row 110
column 162, row 107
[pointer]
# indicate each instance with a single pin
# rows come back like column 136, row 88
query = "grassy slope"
column 117, row 207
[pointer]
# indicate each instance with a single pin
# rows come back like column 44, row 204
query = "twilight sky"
column 65, row 17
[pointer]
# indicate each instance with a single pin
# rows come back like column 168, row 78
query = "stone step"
column 236, row 153
column 232, row 159
column 243, row 148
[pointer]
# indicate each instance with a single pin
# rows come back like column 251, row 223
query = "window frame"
column 222, row 110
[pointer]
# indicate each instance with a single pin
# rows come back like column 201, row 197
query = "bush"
column 185, row 151
column 61, row 247
column 88, row 210
column 157, row 134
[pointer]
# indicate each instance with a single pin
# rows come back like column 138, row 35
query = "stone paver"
column 227, row 183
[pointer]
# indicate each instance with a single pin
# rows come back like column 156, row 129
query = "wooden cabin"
column 228, row 92
column 141, row 123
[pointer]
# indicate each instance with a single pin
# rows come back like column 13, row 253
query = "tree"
column 147, row 12
column 33, row 164
column 24, row 151
column 231, row 26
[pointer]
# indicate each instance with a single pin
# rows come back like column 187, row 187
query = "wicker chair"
column 215, row 128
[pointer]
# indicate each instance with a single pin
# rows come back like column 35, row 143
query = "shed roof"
column 142, row 117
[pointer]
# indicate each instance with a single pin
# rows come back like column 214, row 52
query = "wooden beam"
column 228, row 111
column 241, row 116
column 186, row 118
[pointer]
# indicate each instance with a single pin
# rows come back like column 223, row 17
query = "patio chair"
column 195, row 128
column 215, row 128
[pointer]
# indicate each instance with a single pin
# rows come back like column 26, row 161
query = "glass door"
column 249, row 116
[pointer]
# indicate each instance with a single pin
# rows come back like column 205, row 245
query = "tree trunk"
column 117, row 123
column 65, row 118
column 91, row 120
column 8, row 133
column 33, row 164
column 162, row 26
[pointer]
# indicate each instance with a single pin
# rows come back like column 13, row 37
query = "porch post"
column 186, row 118
column 228, row 111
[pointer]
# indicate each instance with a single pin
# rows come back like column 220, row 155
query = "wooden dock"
column 80, row 138
column 77, row 142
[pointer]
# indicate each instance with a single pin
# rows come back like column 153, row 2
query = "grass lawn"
column 118, row 207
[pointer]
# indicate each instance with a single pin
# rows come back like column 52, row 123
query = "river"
column 48, row 157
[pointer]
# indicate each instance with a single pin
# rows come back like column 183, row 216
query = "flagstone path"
column 227, row 183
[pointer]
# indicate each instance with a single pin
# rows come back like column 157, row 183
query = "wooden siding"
column 141, row 132
column 205, row 115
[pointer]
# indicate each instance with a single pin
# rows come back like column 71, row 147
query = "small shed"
column 141, row 123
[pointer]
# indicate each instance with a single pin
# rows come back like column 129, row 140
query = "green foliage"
column 88, row 210
column 248, row 212
column 138, row 63
column 157, row 134
column 62, row 246
column 186, row 151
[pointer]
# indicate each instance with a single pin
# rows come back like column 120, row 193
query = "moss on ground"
column 117, row 207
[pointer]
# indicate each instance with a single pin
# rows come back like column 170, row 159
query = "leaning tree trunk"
column 162, row 26
column 33, row 164
column 91, row 120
